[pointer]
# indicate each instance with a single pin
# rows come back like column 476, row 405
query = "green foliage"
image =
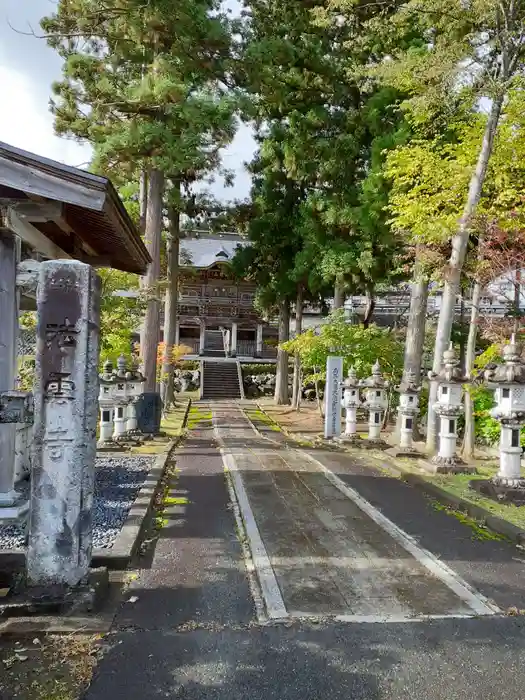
column 360, row 347
column 333, row 125
column 487, row 429
column 119, row 316
column 189, row 365
column 26, row 374
column 256, row 370
column 151, row 78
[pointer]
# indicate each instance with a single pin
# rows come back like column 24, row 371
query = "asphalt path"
column 195, row 632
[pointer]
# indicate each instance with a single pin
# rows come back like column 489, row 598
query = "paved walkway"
column 341, row 545
column 330, row 551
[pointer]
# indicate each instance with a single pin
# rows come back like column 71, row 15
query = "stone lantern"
column 121, row 398
column 351, row 403
column 376, row 402
column 449, row 407
column 408, row 409
column 135, row 387
column 106, row 402
column 508, row 381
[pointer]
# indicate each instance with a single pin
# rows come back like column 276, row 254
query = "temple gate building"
column 216, row 311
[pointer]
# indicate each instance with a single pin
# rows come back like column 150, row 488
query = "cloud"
column 27, row 124
column 28, row 67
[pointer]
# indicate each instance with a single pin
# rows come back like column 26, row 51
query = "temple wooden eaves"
column 65, row 212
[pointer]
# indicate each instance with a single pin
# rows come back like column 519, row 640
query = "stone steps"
column 220, row 381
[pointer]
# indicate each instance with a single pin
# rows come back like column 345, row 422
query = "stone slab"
column 398, row 452
column 60, row 599
column 54, row 624
column 499, row 493
column 433, row 468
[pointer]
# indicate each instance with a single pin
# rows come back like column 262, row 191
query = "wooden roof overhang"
column 65, row 212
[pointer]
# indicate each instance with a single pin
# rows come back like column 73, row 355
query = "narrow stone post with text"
column 66, row 392
column 334, row 376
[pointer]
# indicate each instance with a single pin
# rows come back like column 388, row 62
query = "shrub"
column 256, row 370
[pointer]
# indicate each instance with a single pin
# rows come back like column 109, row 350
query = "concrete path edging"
column 493, row 522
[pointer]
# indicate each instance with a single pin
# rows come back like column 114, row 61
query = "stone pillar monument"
column 64, row 448
column 202, row 336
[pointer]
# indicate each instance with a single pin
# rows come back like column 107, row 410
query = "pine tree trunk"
column 143, row 200
column 339, row 296
column 370, row 307
column 296, row 393
column 143, row 205
column 469, row 437
column 281, row 380
column 415, row 337
column 457, row 258
column 170, row 308
column 153, row 241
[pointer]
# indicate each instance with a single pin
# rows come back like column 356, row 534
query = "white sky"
column 27, row 69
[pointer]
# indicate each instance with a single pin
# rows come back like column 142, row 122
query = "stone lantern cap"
column 511, row 371
column 135, row 375
column 375, row 380
column 409, row 384
column 122, row 373
column 351, row 382
column 121, row 367
column 108, row 376
column 450, row 373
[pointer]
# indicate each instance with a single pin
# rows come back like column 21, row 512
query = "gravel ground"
column 117, row 483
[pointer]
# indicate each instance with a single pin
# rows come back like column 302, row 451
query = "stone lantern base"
column 344, row 439
column 373, row 444
column 447, row 465
column 497, row 490
column 398, row 451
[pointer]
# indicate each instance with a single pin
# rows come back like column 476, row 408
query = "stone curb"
column 493, row 522
column 128, row 539
column 24, row 627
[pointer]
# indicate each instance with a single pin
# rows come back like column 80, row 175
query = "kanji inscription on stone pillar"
column 66, row 408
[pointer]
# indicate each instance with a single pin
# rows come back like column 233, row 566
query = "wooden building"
column 216, row 312
column 49, row 211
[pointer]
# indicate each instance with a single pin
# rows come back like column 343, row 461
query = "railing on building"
column 246, row 348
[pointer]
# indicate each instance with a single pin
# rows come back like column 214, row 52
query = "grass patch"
column 458, row 485
column 199, row 418
column 258, row 416
column 176, row 501
column 481, row 532
column 172, row 421
column 149, row 449
column 51, row 668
